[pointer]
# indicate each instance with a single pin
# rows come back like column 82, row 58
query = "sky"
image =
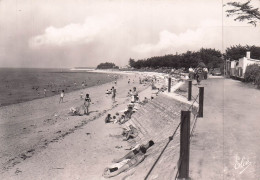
column 84, row 33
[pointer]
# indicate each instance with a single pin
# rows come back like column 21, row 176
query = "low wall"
column 156, row 121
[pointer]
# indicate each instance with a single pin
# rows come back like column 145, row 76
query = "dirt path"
column 226, row 145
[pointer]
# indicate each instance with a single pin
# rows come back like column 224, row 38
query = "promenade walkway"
column 226, row 143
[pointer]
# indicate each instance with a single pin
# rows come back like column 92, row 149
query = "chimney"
column 248, row 54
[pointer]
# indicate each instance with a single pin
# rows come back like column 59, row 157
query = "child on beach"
column 135, row 94
column 81, row 95
column 108, row 92
column 44, row 92
column 87, row 104
column 129, row 93
column 75, row 111
column 62, row 94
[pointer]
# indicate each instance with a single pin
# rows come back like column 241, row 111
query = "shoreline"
column 109, row 72
column 69, row 88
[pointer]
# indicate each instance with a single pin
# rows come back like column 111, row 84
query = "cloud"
column 75, row 33
column 208, row 34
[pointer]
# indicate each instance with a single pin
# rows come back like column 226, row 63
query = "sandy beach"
column 40, row 139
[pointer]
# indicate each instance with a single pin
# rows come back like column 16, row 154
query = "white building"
column 238, row 67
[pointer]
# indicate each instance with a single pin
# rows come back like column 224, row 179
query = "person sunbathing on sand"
column 145, row 101
column 129, row 93
column 121, row 119
column 108, row 118
column 108, row 92
column 130, row 134
column 127, row 114
column 132, row 159
column 75, row 111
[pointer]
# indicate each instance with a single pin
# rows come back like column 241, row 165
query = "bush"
column 257, row 81
column 252, row 74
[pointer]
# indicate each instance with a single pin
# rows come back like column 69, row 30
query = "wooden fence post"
column 201, row 99
column 169, row 84
column 189, row 90
column 184, row 146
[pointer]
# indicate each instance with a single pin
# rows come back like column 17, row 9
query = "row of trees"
column 210, row 57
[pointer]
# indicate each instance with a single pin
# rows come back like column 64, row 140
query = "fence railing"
column 187, row 134
column 185, row 137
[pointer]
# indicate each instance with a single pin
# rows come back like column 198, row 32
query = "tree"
column 235, row 52
column 107, row 65
column 255, row 52
column 131, row 62
column 244, row 12
column 211, row 57
column 238, row 51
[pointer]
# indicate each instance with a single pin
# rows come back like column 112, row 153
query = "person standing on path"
column 87, row 104
column 113, row 94
column 199, row 75
column 62, row 94
column 191, row 73
column 205, row 72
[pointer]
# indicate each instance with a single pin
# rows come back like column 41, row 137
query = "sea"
column 25, row 84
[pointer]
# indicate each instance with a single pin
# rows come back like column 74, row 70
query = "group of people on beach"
column 137, row 154
column 112, row 91
column 76, row 110
column 123, row 116
column 133, row 94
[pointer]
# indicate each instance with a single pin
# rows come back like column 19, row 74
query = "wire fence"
column 171, row 138
column 191, row 134
column 192, row 105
